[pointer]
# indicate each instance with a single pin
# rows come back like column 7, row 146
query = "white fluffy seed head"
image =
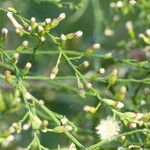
column 63, row 37
column 79, row 33
column 108, row 128
column 28, row 65
column 62, row 16
column 4, row 31
column 25, row 43
column 96, row 46
column 48, row 20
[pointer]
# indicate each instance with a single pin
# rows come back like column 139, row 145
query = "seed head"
column 108, row 128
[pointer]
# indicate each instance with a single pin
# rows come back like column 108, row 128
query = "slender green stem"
column 104, row 142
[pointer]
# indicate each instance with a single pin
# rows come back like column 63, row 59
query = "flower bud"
column 121, row 94
column 43, row 39
column 8, row 77
column 96, row 46
column 132, row 2
column 4, row 32
column 62, row 16
column 28, row 95
column 78, row 33
column 28, row 65
column 15, row 58
column 89, row 85
column 148, row 32
column 72, row 147
column 36, row 122
column 63, row 37
column 101, row 71
column 33, row 23
column 89, row 109
column 113, row 77
column 54, row 72
column 13, row 20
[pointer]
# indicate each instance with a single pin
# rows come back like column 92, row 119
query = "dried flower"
column 108, row 128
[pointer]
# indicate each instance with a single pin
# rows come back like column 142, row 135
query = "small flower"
column 108, row 128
